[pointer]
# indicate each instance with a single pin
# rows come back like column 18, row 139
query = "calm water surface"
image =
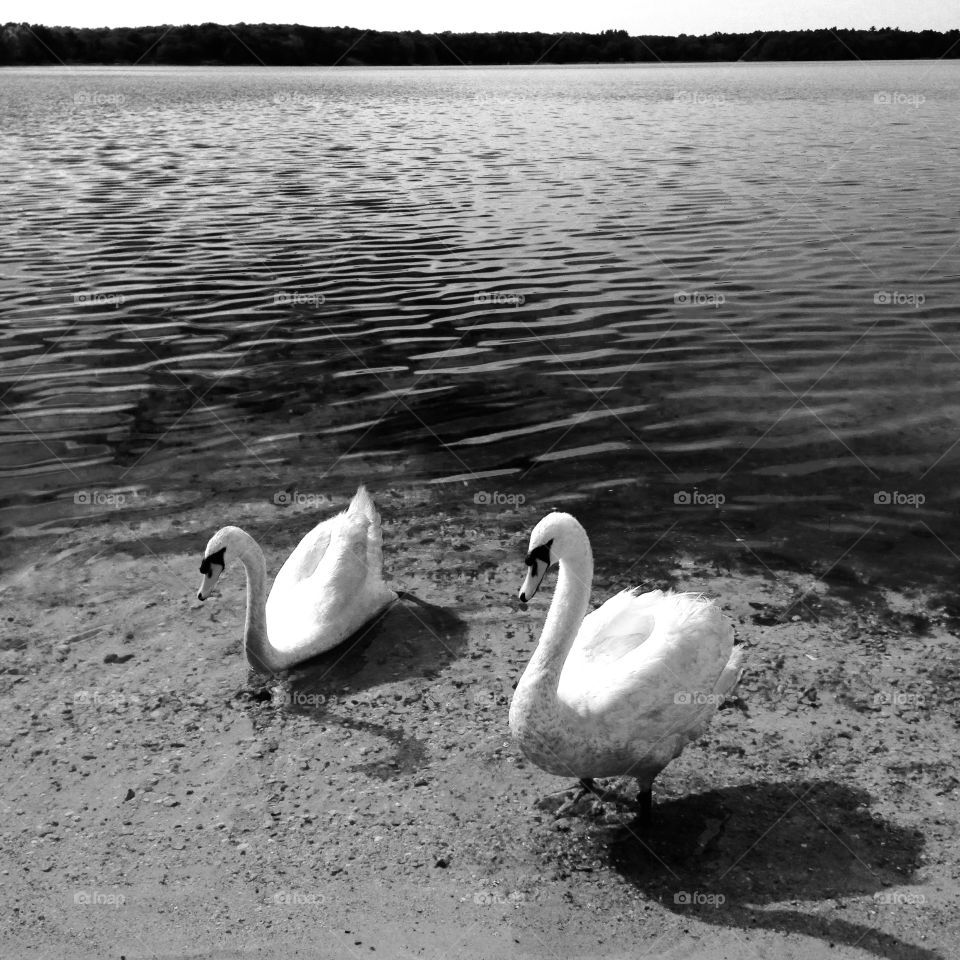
column 711, row 303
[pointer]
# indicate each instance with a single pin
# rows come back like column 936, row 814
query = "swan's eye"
column 541, row 554
column 214, row 558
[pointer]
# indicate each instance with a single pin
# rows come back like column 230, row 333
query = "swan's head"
column 211, row 567
column 558, row 536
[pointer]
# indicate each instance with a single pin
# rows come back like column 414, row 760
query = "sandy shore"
column 160, row 800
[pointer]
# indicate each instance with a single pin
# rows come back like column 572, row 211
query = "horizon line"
column 873, row 28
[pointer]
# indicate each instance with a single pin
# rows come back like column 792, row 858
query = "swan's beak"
column 209, row 582
column 532, row 581
column 211, row 571
column 538, row 563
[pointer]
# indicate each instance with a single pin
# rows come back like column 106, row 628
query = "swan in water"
column 329, row 587
column 621, row 691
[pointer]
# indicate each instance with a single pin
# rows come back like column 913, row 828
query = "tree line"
column 294, row 45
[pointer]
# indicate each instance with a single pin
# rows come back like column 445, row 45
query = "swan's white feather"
column 331, row 584
column 651, row 699
column 616, row 628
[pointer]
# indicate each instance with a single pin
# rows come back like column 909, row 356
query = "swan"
column 622, row 690
column 328, row 588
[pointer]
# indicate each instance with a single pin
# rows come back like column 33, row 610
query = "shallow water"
column 713, row 304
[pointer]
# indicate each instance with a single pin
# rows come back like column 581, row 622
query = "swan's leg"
column 645, row 808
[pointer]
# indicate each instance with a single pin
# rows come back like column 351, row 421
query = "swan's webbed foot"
column 588, row 785
column 735, row 703
column 412, row 598
column 587, row 788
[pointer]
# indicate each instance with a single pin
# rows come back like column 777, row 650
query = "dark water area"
column 704, row 307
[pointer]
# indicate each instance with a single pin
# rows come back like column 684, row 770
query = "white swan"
column 622, row 691
column 329, row 587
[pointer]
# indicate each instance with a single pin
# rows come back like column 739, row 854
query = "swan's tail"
column 732, row 672
column 693, row 608
column 703, row 620
column 362, row 506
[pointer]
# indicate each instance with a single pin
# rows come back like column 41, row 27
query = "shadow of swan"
column 724, row 856
column 411, row 638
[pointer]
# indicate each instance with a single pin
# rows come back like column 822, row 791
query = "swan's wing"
column 305, row 559
column 359, row 547
column 616, row 628
column 688, row 721
column 688, row 649
column 343, row 590
column 343, row 569
column 307, row 554
column 664, row 691
column 348, row 542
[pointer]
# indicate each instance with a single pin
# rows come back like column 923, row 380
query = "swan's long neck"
column 569, row 606
column 256, row 643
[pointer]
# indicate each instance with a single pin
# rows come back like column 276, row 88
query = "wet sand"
column 161, row 800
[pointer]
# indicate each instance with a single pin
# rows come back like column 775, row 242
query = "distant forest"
column 278, row 45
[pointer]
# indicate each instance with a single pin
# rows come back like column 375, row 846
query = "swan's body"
column 621, row 691
column 328, row 588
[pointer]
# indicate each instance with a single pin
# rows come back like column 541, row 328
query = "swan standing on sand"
column 622, row 691
column 329, row 587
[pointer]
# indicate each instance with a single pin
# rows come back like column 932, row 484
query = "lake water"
column 710, row 305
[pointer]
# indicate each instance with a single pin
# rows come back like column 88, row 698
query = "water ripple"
column 548, row 275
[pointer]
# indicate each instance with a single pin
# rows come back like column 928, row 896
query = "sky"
column 432, row 16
